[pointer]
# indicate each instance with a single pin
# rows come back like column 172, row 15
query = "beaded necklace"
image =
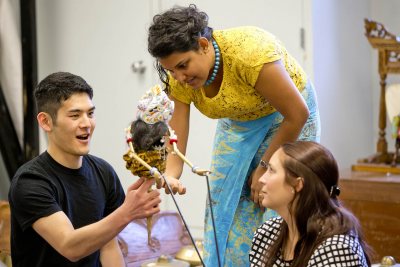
column 216, row 64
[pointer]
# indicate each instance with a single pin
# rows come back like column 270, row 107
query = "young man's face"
column 70, row 133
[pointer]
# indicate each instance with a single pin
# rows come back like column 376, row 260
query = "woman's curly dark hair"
column 176, row 30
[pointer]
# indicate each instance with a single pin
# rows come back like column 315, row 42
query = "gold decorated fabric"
column 155, row 158
column 244, row 51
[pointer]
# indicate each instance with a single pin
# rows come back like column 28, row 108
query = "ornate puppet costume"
column 148, row 137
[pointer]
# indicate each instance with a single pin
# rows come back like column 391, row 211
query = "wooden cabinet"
column 375, row 199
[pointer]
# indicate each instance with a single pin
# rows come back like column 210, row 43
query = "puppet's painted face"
column 148, row 132
column 147, row 137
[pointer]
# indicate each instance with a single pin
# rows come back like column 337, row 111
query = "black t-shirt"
column 42, row 187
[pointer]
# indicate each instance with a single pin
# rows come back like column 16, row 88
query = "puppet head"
column 147, row 133
column 155, row 106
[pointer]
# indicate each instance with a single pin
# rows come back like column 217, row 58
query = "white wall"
column 342, row 65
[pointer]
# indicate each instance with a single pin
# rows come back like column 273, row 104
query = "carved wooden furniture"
column 388, row 46
column 375, row 200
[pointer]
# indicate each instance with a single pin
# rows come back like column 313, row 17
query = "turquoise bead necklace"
column 216, row 64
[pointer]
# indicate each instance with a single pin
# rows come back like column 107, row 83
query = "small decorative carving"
column 377, row 30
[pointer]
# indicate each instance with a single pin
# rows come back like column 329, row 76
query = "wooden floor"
column 375, row 199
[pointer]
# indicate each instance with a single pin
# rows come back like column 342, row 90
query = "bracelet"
column 264, row 164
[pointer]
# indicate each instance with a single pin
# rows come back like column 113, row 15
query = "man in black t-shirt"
column 67, row 206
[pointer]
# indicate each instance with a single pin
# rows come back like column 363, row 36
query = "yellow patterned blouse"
column 244, row 51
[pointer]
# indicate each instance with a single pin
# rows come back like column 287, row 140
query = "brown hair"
column 58, row 87
column 318, row 214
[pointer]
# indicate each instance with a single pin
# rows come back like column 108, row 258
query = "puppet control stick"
column 173, row 140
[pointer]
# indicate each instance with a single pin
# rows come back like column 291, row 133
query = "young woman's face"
column 191, row 68
column 276, row 193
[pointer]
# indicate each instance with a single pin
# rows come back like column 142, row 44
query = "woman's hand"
column 256, row 186
column 175, row 185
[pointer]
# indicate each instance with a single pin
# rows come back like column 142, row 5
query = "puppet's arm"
column 173, row 140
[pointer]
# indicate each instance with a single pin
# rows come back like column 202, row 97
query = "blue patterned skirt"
column 238, row 147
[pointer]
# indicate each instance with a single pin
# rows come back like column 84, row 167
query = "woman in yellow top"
column 245, row 78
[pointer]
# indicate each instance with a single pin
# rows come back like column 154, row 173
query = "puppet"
column 150, row 139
